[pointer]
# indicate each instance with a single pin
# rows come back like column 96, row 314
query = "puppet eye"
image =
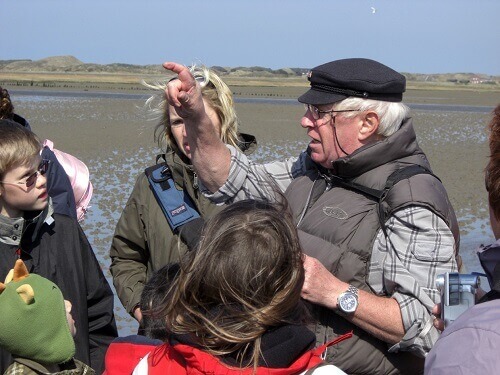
column 26, row 293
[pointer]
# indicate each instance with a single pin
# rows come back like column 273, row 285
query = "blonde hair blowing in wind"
column 215, row 93
column 244, row 278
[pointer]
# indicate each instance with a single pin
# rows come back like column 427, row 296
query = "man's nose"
column 307, row 120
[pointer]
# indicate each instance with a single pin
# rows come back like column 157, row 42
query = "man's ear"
column 369, row 126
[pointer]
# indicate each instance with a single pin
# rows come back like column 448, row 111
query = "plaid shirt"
column 404, row 265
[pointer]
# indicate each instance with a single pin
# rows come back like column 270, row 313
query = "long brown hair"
column 493, row 167
column 6, row 106
column 244, row 278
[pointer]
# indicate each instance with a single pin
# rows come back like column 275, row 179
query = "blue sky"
column 415, row 36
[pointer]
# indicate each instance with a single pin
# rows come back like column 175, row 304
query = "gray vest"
column 338, row 226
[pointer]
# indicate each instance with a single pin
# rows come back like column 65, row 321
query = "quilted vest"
column 338, row 226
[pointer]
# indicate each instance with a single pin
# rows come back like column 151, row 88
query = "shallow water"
column 112, row 136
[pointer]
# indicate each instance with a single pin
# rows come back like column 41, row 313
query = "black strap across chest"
column 379, row 195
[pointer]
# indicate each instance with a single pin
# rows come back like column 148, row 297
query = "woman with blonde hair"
column 235, row 305
column 146, row 238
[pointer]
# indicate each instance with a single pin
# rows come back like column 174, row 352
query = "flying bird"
column 374, row 10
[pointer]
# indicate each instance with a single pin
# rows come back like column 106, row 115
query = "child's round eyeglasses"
column 31, row 179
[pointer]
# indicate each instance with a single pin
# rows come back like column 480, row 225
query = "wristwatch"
column 348, row 301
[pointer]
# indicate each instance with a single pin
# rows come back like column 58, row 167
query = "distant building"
column 477, row 80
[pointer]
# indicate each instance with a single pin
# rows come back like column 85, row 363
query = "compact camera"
column 458, row 293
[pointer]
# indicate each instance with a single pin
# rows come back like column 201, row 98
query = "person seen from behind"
column 470, row 344
column 51, row 245
column 235, row 306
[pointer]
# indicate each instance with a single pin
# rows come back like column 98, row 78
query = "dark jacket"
column 54, row 246
column 58, row 186
column 489, row 256
column 143, row 241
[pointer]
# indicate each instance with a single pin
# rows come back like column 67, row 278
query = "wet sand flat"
column 115, row 139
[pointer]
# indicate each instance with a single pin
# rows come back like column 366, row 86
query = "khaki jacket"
column 143, row 241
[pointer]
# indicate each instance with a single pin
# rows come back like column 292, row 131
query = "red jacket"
column 124, row 354
column 186, row 360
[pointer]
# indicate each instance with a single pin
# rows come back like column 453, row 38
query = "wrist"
column 342, row 287
column 348, row 301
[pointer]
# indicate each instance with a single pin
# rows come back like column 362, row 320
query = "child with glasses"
column 69, row 197
column 50, row 244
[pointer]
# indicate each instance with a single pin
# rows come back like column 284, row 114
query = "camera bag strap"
column 176, row 205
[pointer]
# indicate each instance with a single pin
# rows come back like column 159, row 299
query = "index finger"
column 174, row 67
column 183, row 74
column 176, row 92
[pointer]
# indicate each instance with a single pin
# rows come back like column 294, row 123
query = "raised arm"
column 209, row 155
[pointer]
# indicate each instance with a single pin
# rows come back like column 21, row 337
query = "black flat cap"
column 363, row 78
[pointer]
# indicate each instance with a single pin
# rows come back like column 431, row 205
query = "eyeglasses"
column 30, row 181
column 316, row 112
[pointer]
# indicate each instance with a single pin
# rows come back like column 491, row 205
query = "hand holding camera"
column 458, row 293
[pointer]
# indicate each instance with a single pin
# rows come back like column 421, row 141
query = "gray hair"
column 391, row 114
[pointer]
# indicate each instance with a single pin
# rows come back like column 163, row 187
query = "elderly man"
column 375, row 223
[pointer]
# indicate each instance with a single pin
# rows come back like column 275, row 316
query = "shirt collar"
column 12, row 229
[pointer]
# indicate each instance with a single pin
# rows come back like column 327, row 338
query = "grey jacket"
column 338, row 226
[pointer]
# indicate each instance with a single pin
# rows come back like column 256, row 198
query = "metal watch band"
column 353, row 289
column 353, row 292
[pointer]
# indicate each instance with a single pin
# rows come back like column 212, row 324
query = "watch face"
column 348, row 302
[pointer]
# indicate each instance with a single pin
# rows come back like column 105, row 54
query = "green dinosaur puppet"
column 34, row 327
